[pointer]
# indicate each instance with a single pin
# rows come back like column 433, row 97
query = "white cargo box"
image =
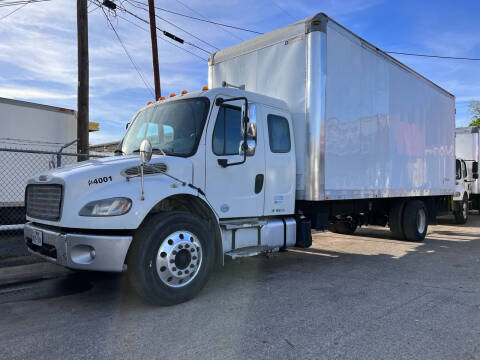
column 366, row 126
column 30, row 126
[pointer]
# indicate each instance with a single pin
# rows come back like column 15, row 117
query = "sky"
column 38, row 47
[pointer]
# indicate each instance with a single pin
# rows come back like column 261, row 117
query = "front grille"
column 44, row 201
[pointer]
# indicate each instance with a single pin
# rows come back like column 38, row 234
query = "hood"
column 117, row 165
column 107, row 178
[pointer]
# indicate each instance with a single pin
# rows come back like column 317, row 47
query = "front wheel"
column 171, row 258
column 461, row 211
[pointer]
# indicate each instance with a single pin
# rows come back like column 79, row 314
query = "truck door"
column 280, row 162
column 237, row 190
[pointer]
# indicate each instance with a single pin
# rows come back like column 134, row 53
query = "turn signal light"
column 184, row 92
column 204, row 88
column 172, row 94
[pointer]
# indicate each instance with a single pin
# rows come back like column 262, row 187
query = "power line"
column 204, row 19
column 161, row 38
column 166, row 33
column 433, row 56
column 128, row 54
column 218, row 24
column 260, row 33
column 11, row 12
column 16, row 3
column 282, row 9
column 176, row 26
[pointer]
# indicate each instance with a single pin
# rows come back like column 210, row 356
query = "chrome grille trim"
column 44, row 201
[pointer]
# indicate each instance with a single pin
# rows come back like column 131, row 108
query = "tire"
column 343, row 227
column 415, row 221
column 171, row 258
column 461, row 211
column 395, row 220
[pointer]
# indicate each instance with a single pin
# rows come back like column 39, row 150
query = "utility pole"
column 153, row 35
column 82, row 90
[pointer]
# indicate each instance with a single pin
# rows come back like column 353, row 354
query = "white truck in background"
column 467, row 152
column 27, row 126
column 307, row 126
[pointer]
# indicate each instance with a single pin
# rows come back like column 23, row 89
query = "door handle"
column 258, row 183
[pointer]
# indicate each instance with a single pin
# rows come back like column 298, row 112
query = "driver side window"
column 458, row 168
column 227, row 133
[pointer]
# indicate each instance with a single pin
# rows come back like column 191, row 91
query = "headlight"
column 107, row 207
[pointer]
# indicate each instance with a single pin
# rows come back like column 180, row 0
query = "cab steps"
column 251, row 251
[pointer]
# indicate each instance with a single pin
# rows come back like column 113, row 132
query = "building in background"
column 29, row 134
column 106, row 147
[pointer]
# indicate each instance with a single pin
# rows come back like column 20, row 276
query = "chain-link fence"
column 17, row 165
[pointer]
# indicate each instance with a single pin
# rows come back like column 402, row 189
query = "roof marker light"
column 172, row 94
column 205, row 88
column 162, row 98
column 184, row 92
column 148, row 103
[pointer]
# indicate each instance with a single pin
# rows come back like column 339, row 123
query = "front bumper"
column 79, row 251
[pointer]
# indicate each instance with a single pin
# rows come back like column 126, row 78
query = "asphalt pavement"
column 347, row 297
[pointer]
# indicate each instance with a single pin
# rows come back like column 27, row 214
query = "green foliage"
column 474, row 109
column 475, row 122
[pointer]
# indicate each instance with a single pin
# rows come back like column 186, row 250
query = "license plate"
column 37, row 238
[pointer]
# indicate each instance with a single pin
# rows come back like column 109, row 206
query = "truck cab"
column 465, row 177
column 198, row 176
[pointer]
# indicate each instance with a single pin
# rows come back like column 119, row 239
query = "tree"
column 474, row 109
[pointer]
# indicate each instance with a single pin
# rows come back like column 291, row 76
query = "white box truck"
column 322, row 130
column 27, row 126
column 467, row 152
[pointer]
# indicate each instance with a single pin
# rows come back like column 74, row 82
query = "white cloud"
column 33, row 93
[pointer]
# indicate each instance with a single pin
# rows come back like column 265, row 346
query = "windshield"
column 173, row 127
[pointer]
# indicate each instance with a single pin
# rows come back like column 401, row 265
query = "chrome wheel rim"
column 179, row 259
column 421, row 220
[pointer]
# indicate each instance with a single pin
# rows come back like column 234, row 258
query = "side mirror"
column 475, row 169
column 251, row 130
column 145, row 151
column 244, row 115
column 475, row 176
column 250, row 147
column 126, row 126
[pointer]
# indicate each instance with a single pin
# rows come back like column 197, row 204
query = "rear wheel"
column 395, row 220
column 461, row 211
column 415, row 221
column 171, row 258
column 343, row 227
